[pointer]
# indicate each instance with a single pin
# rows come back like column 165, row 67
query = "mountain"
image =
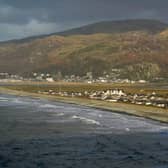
column 140, row 48
column 121, row 26
column 151, row 26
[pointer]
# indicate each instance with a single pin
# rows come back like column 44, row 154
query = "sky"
column 23, row 18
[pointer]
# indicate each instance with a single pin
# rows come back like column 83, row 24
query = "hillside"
column 151, row 26
column 121, row 26
column 139, row 52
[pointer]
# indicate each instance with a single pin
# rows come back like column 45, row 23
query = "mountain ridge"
column 98, row 53
column 116, row 26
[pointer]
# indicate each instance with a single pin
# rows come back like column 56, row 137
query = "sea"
column 39, row 133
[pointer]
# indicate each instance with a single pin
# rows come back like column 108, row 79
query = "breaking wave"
column 48, row 106
column 86, row 120
column 60, row 114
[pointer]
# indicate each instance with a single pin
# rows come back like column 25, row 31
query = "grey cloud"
column 64, row 14
column 86, row 10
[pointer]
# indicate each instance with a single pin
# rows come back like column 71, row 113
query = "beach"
column 154, row 113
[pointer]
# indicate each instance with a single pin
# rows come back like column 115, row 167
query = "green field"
column 159, row 89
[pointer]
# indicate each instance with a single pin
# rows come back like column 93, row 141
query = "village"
column 111, row 95
column 50, row 78
column 116, row 95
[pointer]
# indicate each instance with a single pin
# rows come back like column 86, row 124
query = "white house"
column 118, row 92
column 49, row 79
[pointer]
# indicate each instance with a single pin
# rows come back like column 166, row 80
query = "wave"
column 3, row 99
column 20, row 101
column 60, row 114
column 127, row 129
column 48, row 106
column 86, row 120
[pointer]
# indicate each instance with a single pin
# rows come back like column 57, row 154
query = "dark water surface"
column 42, row 134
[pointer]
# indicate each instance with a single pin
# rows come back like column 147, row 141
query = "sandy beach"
column 154, row 113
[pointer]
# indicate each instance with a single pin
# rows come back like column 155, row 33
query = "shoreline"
column 153, row 113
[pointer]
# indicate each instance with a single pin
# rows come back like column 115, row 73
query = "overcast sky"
column 21, row 18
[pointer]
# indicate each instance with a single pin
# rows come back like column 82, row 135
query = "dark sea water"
column 38, row 133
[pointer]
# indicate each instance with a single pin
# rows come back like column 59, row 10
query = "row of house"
column 116, row 95
column 72, row 78
column 88, row 78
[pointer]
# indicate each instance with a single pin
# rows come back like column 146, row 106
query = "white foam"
column 48, row 106
column 18, row 101
column 3, row 100
column 60, row 114
column 127, row 129
column 164, row 128
column 86, row 120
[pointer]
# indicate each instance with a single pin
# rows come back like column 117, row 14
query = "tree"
column 145, row 71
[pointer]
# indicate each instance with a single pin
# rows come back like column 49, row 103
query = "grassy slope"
column 34, row 87
column 79, row 54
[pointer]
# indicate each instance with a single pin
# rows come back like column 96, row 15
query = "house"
column 142, row 81
column 49, row 79
column 118, row 92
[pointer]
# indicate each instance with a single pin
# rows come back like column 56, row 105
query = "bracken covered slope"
column 97, row 52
